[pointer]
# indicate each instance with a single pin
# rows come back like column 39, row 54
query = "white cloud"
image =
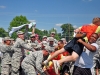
column 2, row 7
column 32, row 20
column 75, row 26
column 59, row 24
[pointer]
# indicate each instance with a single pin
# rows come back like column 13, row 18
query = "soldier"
column 33, row 63
column 53, row 35
column 7, row 55
column 34, row 41
column 19, row 54
column 51, row 45
column 97, row 58
column 44, row 38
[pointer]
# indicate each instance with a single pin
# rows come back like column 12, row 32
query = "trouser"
column 6, row 69
column 16, row 65
column 28, row 69
column 81, row 71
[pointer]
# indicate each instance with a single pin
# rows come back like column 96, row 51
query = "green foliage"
column 3, row 33
column 67, row 31
column 17, row 21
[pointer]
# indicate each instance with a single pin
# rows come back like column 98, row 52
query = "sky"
column 50, row 14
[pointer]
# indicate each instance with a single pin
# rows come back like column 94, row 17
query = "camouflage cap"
column 52, row 32
column 44, row 43
column 20, row 32
column 7, row 38
column 51, row 39
column 44, row 36
column 33, row 35
column 63, row 39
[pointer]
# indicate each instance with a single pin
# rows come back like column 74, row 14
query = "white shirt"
column 86, row 58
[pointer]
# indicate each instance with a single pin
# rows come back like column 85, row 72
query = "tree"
column 17, row 21
column 3, row 33
column 67, row 31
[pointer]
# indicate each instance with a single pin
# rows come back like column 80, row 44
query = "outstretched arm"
column 33, row 29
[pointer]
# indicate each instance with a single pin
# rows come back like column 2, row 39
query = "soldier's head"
column 7, row 40
column 45, row 52
column 20, row 34
column 44, row 38
column 43, row 44
column 51, row 40
column 52, row 34
column 32, row 37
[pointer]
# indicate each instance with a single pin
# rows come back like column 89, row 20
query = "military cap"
column 52, row 32
column 20, row 32
column 63, row 39
column 33, row 35
column 44, row 43
column 44, row 36
column 7, row 38
column 51, row 39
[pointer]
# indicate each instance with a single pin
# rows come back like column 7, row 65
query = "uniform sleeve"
column 39, row 63
column 26, row 46
column 5, row 48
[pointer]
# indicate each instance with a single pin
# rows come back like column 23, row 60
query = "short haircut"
column 96, row 19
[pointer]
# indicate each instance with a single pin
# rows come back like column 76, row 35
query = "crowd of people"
column 50, row 56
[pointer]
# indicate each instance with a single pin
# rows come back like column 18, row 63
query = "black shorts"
column 81, row 71
column 75, row 46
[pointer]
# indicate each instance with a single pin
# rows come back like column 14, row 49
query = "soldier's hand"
column 46, row 62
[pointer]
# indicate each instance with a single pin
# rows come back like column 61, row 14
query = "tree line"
column 67, row 29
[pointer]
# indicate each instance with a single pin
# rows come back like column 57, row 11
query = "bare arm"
column 56, row 53
column 33, row 30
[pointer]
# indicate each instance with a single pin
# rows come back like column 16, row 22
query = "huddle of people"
column 49, row 56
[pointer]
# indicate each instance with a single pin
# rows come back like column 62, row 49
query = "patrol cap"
column 63, row 39
column 52, row 32
column 7, row 38
column 51, row 39
column 20, row 32
column 33, row 35
column 44, row 43
column 44, row 36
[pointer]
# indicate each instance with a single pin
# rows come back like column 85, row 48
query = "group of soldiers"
column 17, row 54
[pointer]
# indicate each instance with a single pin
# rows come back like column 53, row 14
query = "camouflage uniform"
column 51, row 47
column 6, row 60
column 18, row 55
column 97, row 55
column 33, row 63
column 35, row 42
